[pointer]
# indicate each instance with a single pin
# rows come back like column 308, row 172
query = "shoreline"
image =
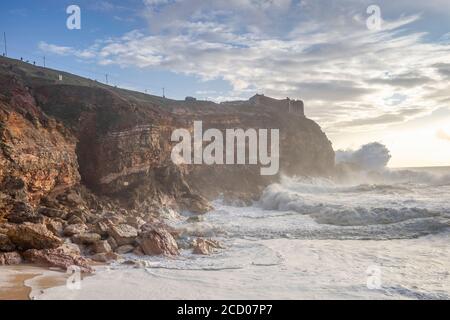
column 20, row 281
column 309, row 269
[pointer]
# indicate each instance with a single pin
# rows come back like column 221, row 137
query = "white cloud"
column 67, row 51
column 319, row 51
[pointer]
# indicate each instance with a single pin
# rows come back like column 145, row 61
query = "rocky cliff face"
column 77, row 145
column 33, row 147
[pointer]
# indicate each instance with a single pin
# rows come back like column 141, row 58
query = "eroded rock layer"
column 88, row 165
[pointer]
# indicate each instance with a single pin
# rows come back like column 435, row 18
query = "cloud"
column 443, row 69
column 66, row 51
column 319, row 51
column 408, row 80
column 384, row 119
column 59, row 50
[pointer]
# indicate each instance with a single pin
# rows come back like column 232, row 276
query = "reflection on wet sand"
column 17, row 282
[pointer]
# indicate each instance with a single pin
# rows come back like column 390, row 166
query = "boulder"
column 74, row 229
column 78, row 215
column 33, row 236
column 70, row 248
column 158, row 241
column 123, row 234
column 10, row 258
column 101, row 227
column 195, row 204
column 205, row 246
column 59, row 258
column 158, row 224
column 105, row 257
column 101, row 246
column 124, row 249
column 112, row 243
column 54, row 226
column 86, row 238
column 138, row 252
column 113, row 218
column 52, row 213
column 74, row 199
column 22, row 212
column 75, row 220
column 135, row 222
column 5, row 244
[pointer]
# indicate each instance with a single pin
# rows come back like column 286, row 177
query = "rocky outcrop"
column 37, row 154
column 121, row 140
column 158, row 241
column 10, row 258
column 58, row 258
column 123, row 234
column 205, row 246
column 32, row 236
column 91, row 164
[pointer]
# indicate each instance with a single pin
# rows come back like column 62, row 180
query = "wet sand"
column 17, row 282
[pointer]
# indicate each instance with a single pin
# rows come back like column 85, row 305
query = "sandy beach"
column 17, row 282
column 305, row 269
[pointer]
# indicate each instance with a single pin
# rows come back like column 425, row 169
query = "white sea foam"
column 306, row 238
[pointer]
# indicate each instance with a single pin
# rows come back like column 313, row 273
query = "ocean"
column 374, row 236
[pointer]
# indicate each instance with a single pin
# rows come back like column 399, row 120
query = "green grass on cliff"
column 35, row 75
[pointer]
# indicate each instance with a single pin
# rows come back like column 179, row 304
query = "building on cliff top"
column 286, row 105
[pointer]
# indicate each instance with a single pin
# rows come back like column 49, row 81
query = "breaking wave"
column 367, row 204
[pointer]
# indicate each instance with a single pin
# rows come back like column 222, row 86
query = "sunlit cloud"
column 351, row 78
column 442, row 134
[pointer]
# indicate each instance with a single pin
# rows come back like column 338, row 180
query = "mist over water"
column 366, row 202
column 372, row 156
column 314, row 238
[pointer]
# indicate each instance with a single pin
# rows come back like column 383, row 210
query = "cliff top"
column 36, row 76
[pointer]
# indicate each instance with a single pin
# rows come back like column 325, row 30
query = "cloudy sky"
column 389, row 84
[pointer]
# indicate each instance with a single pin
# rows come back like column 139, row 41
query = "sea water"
column 373, row 236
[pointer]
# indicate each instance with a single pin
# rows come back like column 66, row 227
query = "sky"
column 389, row 84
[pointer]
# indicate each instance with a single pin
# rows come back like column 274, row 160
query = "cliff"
column 71, row 140
column 58, row 132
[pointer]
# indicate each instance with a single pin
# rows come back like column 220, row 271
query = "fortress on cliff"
column 287, row 105
column 284, row 105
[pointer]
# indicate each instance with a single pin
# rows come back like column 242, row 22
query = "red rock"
column 33, row 236
column 101, row 246
column 74, row 229
column 86, row 238
column 195, row 204
column 112, row 243
column 10, row 258
column 138, row 252
column 105, row 257
column 135, row 222
column 54, row 226
column 5, row 244
column 205, row 246
column 52, row 213
column 158, row 242
column 123, row 234
column 124, row 249
column 22, row 212
column 59, row 258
